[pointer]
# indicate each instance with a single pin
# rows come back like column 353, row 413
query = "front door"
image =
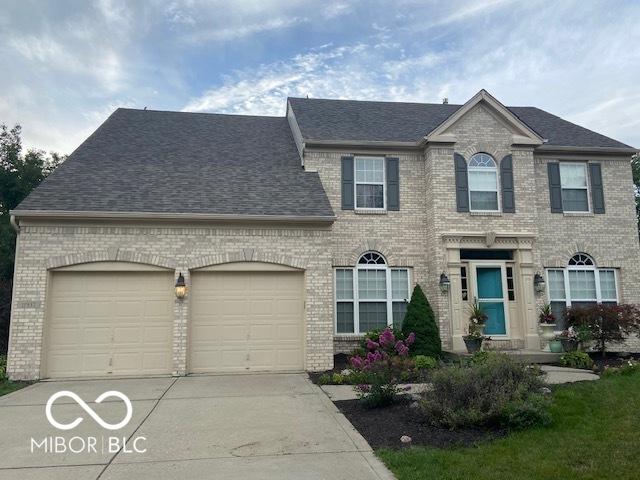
column 490, row 293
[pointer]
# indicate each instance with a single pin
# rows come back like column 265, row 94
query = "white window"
column 370, row 296
column 580, row 284
column 575, row 189
column 483, row 183
column 369, row 184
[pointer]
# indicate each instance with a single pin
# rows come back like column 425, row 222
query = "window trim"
column 587, row 188
column 356, row 182
column 389, row 300
column 494, row 169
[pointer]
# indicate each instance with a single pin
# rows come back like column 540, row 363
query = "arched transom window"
column 370, row 295
column 483, row 183
column 580, row 283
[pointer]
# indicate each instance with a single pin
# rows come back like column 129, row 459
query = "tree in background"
column 420, row 320
column 20, row 172
column 635, row 167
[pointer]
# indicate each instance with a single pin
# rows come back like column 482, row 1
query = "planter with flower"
column 569, row 339
column 385, row 363
column 475, row 336
column 547, row 326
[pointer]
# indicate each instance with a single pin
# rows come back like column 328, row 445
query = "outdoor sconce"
column 181, row 287
column 445, row 283
column 538, row 283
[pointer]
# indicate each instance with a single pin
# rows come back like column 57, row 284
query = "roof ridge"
column 375, row 101
column 239, row 115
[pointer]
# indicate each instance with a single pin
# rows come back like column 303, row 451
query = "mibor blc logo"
column 88, row 444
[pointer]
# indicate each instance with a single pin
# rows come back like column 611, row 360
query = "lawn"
column 595, row 435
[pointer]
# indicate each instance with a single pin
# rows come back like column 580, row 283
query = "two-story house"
column 175, row 243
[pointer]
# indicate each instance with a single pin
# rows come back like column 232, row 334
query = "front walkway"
column 240, row 426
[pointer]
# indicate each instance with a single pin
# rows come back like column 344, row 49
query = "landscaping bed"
column 383, row 427
column 611, row 360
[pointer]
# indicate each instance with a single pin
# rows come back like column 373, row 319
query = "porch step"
column 527, row 356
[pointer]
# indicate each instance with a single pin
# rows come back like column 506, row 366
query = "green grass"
column 595, row 435
column 7, row 386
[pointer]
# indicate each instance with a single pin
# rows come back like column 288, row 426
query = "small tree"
column 420, row 320
column 606, row 323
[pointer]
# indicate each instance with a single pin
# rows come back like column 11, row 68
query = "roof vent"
column 445, row 100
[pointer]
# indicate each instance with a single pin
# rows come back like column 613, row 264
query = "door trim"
column 502, row 265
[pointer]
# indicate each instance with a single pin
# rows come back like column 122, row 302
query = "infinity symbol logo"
column 89, row 410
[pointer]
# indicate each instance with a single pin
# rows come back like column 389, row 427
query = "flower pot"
column 473, row 344
column 547, row 335
column 555, row 346
column 569, row 345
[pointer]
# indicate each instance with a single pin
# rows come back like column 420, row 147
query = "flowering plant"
column 568, row 334
column 477, row 315
column 546, row 315
column 386, row 359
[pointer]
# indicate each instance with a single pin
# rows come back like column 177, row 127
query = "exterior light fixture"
column 538, row 283
column 181, row 287
column 445, row 283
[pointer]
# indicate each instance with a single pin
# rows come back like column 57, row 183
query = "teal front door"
column 490, row 294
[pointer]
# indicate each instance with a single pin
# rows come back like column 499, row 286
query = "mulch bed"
column 383, row 427
column 612, row 360
column 340, row 363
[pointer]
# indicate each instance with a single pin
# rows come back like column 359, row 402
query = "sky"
column 67, row 65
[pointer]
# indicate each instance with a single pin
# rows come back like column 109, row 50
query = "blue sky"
column 66, row 65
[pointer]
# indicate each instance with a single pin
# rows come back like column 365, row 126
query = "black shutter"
column 347, row 183
column 597, row 192
column 555, row 187
column 393, row 183
column 462, row 183
column 506, row 180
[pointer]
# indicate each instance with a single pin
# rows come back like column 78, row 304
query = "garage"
column 247, row 321
column 108, row 323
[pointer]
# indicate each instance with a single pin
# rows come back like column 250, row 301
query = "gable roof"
column 167, row 163
column 371, row 121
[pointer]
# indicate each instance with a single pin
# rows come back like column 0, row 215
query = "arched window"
column 581, row 283
column 371, row 295
column 483, row 183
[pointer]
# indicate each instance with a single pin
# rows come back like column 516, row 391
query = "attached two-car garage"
column 111, row 323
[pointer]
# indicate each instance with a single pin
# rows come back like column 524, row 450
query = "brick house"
column 296, row 234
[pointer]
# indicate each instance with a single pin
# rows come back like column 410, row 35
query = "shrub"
column 576, row 360
column 3, row 367
column 420, row 320
column 481, row 357
column 423, row 362
column 497, row 391
column 629, row 367
column 324, row 379
column 386, row 361
column 337, row 379
column 606, row 323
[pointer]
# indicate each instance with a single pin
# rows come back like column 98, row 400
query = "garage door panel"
column 102, row 323
column 241, row 321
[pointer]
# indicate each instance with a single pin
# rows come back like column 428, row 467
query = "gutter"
column 595, row 150
column 14, row 224
column 64, row 214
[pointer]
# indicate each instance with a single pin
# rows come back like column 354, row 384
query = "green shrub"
column 481, row 357
column 629, row 367
column 380, row 393
column 337, row 379
column 324, row 379
column 3, row 367
column 423, row 362
column 420, row 320
column 498, row 391
column 576, row 360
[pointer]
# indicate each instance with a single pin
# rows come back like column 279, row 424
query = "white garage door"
column 109, row 323
column 246, row 321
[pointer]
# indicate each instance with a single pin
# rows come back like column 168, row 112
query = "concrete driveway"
column 227, row 426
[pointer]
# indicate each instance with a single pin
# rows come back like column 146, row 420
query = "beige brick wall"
column 44, row 246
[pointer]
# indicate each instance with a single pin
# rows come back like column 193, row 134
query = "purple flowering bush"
column 384, row 362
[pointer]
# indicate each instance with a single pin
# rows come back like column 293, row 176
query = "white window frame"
column 356, row 296
column 356, row 182
column 585, row 165
column 567, row 287
column 484, row 169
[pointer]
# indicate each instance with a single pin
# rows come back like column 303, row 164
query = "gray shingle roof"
column 172, row 162
column 321, row 119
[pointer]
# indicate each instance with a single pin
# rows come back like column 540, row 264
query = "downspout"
column 14, row 224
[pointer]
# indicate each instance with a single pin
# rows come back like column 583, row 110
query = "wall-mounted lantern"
column 445, row 283
column 538, row 283
column 181, row 287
